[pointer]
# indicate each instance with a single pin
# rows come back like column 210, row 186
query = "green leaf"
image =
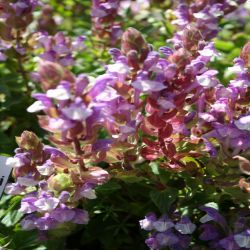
column 11, row 218
column 110, row 186
column 237, row 194
column 164, row 199
column 131, row 176
column 223, row 45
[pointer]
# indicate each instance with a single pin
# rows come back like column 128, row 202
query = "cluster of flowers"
column 136, row 7
column 177, row 233
column 46, row 21
column 221, row 111
column 204, row 15
column 52, row 184
column 14, row 19
column 165, row 232
column 104, row 24
column 58, row 48
column 146, row 104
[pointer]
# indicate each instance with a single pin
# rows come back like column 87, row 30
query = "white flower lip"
column 187, row 228
column 107, row 95
column 243, row 123
column 162, row 226
column 36, row 106
column 45, row 170
column 89, row 194
column 47, row 204
column 242, row 240
column 205, row 81
column 206, row 218
column 60, row 93
column 77, row 113
column 26, row 181
column 148, row 85
column 118, row 67
column 14, row 162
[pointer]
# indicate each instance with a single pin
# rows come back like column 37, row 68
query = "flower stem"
column 79, row 152
column 20, row 63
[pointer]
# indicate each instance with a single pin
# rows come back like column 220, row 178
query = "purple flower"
column 14, row 189
column 59, row 48
column 46, row 169
column 103, row 19
column 166, row 239
column 148, row 86
column 28, row 223
column 45, row 222
column 27, row 180
column 77, row 111
column 63, row 214
column 148, row 222
column 60, row 93
column 64, row 196
column 207, row 79
column 81, row 216
column 243, row 123
column 213, row 215
column 165, row 233
column 185, row 226
column 163, row 224
column 209, row 232
column 85, row 191
column 228, row 243
column 14, row 162
column 27, row 205
column 46, row 204
column 243, row 239
column 152, row 243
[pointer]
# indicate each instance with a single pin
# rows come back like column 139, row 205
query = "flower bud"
column 96, row 175
column 245, row 54
column 181, row 58
column 5, row 32
column 29, row 141
column 132, row 39
column 50, row 74
column 60, row 182
column 46, row 21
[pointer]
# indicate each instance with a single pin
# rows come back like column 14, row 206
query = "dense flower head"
column 165, row 232
column 204, row 15
column 104, row 21
column 51, row 184
column 59, row 48
column 14, row 18
column 46, row 21
column 212, row 228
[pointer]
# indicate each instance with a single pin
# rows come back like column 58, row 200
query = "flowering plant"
column 156, row 130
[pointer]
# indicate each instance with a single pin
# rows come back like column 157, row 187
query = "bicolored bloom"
column 166, row 233
column 59, row 48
